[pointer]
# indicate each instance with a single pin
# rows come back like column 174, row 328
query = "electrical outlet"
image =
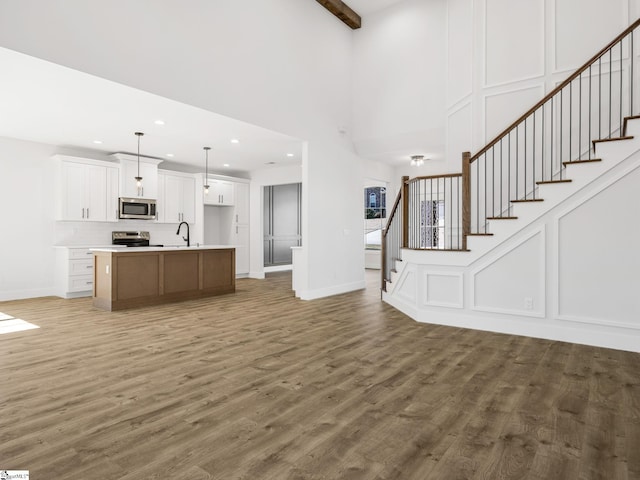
column 528, row 303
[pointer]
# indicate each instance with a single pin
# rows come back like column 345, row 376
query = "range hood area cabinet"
column 176, row 197
column 86, row 189
column 128, row 172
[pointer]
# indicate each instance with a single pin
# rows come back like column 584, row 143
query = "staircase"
column 487, row 248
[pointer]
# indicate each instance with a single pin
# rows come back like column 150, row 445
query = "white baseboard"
column 329, row 291
column 278, row 268
column 24, row 294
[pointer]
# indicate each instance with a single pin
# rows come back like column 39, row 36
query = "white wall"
column 283, row 64
column 399, row 82
column 26, row 193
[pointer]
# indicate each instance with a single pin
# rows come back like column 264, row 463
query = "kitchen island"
column 140, row 276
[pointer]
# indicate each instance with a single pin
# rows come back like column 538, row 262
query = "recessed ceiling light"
column 289, row 154
column 225, row 165
column 98, row 142
column 169, row 154
column 235, row 140
column 159, row 122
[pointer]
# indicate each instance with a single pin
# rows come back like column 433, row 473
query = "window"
column 375, row 216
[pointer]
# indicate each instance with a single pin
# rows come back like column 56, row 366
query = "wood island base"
column 139, row 277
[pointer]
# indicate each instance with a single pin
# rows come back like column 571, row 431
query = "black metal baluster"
column 580, row 117
column 599, row 98
column 632, row 60
column 501, row 177
column 509, row 179
column 517, row 161
column 590, row 102
column 533, row 180
column 525, row 158
column 610, row 86
column 570, row 120
column 542, row 143
column 561, row 138
column 621, row 121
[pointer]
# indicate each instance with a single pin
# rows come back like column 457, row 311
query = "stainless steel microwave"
column 137, row 208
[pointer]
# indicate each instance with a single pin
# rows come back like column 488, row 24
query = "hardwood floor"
column 260, row 385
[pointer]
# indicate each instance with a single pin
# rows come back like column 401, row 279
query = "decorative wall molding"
column 624, row 5
column 512, row 245
column 429, row 294
column 486, row 98
column 577, row 202
column 540, row 72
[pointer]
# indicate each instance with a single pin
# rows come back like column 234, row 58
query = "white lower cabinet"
column 74, row 272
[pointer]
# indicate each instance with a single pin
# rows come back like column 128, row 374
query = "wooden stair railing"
column 592, row 105
column 393, row 237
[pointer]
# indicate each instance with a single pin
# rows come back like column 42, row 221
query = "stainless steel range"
column 132, row 239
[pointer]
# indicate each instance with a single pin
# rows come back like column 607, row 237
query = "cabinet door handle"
column 82, row 212
column 89, row 283
column 87, row 213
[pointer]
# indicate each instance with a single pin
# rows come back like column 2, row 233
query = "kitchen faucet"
column 187, row 237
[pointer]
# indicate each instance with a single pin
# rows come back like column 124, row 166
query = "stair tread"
column 524, row 200
column 502, row 218
column 545, row 182
column 479, row 234
column 588, row 160
column 613, row 139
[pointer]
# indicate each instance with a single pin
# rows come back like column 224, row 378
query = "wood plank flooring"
column 260, row 385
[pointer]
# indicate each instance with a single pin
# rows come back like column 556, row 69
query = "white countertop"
column 168, row 248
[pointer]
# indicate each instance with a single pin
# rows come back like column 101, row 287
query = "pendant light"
column 206, row 170
column 139, row 178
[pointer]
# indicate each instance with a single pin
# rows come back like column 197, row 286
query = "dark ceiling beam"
column 343, row 12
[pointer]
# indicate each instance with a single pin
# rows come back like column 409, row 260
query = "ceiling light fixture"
column 159, row 122
column 170, row 155
column 206, row 170
column 417, row 160
column 97, row 142
column 289, row 154
column 225, row 165
column 138, row 178
column 235, row 140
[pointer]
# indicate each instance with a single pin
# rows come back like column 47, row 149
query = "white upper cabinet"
column 87, row 190
column 241, row 199
column 220, row 193
column 176, row 199
column 128, row 172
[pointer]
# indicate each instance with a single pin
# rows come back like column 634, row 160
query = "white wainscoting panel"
column 598, row 266
column 443, row 289
column 459, row 50
column 504, row 107
column 407, row 284
column 582, row 27
column 459, row 132
column 504, row 283
column 514, row 41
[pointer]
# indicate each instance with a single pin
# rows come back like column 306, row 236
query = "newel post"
column 466, row 197
column 405, row 211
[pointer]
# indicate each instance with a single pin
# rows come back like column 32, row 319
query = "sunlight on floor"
column 8, row 324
